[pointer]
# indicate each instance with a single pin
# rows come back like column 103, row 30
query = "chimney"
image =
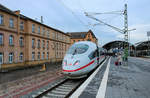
column 41, row 19
column 17, row 12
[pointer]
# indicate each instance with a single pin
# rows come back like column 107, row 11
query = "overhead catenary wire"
column 62, row 3
column 112, row 12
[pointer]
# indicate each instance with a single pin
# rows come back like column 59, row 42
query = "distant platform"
column 110, row 81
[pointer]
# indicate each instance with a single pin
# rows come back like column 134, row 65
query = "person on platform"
column 119, row 59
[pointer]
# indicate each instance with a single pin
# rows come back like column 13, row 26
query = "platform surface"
column 132, row 81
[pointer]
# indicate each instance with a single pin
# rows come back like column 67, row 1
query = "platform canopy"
column 143, row 45
column 115, row 44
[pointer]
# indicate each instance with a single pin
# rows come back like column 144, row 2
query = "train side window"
column 93, row 55
column 101, row 53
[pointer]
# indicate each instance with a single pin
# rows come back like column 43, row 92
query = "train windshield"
column 77, row 49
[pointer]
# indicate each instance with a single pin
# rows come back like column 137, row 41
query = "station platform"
column 111, row 81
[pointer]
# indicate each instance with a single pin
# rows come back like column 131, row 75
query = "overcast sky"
column 68, row 16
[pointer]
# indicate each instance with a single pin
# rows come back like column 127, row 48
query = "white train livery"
column 81, row 58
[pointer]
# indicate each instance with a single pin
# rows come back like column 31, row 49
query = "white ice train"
column 81, row 58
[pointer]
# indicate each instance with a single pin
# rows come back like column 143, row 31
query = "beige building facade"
column 26, row 42
column 82, row 36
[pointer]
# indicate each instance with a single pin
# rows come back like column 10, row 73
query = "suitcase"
column 116, row 63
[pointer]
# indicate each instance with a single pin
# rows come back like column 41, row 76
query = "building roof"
column 115, row 44
column 77, row 35
column 5, row 9
column 142, row 45
column 80, row 35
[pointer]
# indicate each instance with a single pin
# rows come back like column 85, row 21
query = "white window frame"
column 38, row 44
column 43, row 31
column 54, row 35
column 21, row 57
column 48, row 34
column 47, row 56
column 11, row 40
column 1, row 39
column 47, row 45
column 21, row 41
column 33, row 56
column 11, row 22
column 43, row 55
column 39, row 29
column 1, row 19
column 21, row 25
column 1, row 58
column 11, row 57
column 39, row 56
column 43, row 44
column 33, row 28
column 33, row 43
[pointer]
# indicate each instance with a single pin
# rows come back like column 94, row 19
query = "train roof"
column 89, row 43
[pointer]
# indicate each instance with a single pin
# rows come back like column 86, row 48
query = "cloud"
column 56, row 15
column 140, row 34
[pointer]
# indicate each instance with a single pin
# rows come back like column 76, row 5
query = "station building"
column 25, row 41
column 82, row 36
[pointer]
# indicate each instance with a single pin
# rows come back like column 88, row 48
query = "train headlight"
column 77, row 62
column 65, row 63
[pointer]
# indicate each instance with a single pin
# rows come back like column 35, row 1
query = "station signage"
column 148, row 33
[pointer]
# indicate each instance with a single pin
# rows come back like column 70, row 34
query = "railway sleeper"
column 63, row 87
column 65, row 90
column 51, row 95
column 57, row 92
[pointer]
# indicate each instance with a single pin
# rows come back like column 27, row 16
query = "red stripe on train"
column 80, row 68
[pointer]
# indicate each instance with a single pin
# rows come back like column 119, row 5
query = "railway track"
column 62, row 90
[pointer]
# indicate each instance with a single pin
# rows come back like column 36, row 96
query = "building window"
column 11, row 38
column 39, row 43
column 47, row 55
column 53, row 35
column 33, row 28
column 21, row 41
column 1, row 58
column 21, row 57
column 11, row 57
column 62, row 47
column 43, row 55
column 62, row 38
column 43, row 31
column 43, row 44
column 33, row 43
column 88, row 40
column 56, row 46
column 47, row 45
column 11, row 22
column 39, row 30
column 38, row 55
column 33, row 55
column 21, row 25
column 56, row 35
column 1, row 39
column 1, row 20
column 48, row 34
